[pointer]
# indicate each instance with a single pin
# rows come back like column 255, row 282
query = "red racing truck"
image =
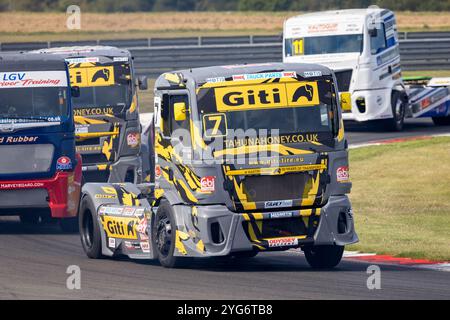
column 40, row 173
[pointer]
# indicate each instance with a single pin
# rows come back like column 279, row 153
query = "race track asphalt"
column 33, row 264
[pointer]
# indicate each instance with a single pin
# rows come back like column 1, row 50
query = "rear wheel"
column 442, row 121
column 163, row 236
column 398, row 111
column 89, row 229
column 324, row 257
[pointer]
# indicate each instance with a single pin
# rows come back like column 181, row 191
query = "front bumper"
column 61, row 194
column 197, row 233
column 377, row 105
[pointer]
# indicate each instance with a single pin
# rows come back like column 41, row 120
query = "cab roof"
column 23, row 61
column 202, row 75
column 357, row 13
column 86, row 51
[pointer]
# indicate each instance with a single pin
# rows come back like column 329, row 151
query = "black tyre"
column 163, row 236
column 91, row 239
column 69, row 225
column 398, row 110
column 324, row 257
column 30, row 219
column 442, row 121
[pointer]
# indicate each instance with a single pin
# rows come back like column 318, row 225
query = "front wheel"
column 163, row 236
column 324, row 257
column 396, row 123
column 91, row 239
column 442, row 121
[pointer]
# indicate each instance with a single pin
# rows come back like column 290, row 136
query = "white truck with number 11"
column 362, row 47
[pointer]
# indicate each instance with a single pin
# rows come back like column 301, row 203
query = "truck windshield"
column 33, row 103
column 291, row 108
column 324, row 45
column 102, row 86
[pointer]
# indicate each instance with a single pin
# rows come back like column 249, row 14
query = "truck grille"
column 272, row 188
column 343, row 80
column 25, row 159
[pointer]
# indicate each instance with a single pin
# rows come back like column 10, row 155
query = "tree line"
column 219, row 5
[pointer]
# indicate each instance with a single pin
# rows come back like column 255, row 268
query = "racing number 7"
column 215, row 125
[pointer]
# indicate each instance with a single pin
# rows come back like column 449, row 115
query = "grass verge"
column 401, row 198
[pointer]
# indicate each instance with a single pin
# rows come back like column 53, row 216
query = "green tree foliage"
column 219, row 5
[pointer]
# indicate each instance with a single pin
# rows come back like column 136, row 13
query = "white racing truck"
column 362, row 47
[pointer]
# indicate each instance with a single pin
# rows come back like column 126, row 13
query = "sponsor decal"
column 267, row 96
column 208, row 184
column 132, row 245
column 120, row 59
column 158, row 171
column 128, row 212
column 262, row 141
column 322, row 27
column 216, row 80
column 37, row 120
column 142, row 226
column 113, row 211
column 64, row 163
column 282, row 242
column 139, row 212
column 112, row 243
column 121, row 228
column 133, row 139
column 282, row 215
column 33, row 79
column 278, row 204
column 24, row 139
column 93, row 111
column 105, row 196
column 24, row 185
column 92, row 76
column 342, row 174
column 79, row 129
column 145, row 246
column 311, row 74
column 85, row 149
column 267, row 75
column 83, row 60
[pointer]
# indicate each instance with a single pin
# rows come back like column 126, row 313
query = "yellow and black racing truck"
column 106, row 112
column 248, row 159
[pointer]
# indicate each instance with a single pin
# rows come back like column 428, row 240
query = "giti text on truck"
column 248, row 159
column 40, row 174
column 106, row 113
column 362, row 47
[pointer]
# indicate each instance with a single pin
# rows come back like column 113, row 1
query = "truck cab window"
column 378, row 40
column 168, row 115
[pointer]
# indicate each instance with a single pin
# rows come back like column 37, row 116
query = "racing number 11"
column 298, row 47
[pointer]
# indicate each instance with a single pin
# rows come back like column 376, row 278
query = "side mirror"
column 75, row 92
column 179, row 111
column 143, row 83
column 373, row 32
